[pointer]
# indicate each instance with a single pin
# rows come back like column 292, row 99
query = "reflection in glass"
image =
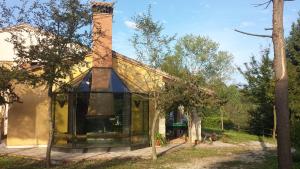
column 100, row 112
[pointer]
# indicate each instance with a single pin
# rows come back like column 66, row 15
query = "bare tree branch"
column 268, row 29
column 267, row 3
column 252, row 34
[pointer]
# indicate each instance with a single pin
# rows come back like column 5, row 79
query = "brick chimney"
column 102, row 34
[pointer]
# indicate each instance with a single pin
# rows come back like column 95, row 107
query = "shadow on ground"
column 250, row 160
column 88, row 164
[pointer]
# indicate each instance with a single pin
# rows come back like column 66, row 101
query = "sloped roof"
column 137, row 63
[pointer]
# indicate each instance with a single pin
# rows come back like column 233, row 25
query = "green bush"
column 215, row 122
column 211, row 122
column 296, row 133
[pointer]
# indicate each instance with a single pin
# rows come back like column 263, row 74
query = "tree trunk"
column 190, row 123
column 51, row 134
column 1, row 129
column 198, row 128
column 153, row 127
column 274, row 123
column 222, row 119
column 281, row 89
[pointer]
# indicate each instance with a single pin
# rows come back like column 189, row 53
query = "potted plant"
column 160, row 140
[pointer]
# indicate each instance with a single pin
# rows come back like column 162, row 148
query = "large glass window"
column 139, row 118
column 100, row 112
column 103, row 118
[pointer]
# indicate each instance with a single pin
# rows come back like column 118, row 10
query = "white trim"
column 28, row 146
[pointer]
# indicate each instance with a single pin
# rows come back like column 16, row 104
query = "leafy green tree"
column 10, row 76
column 201, row 56
column 260, row 91
column 293, row 55
column 62, row 40
column 151, row 48
column 189, row 93
column 173, row 65
column 223, row 95
column 7, row 93
column 236, row 108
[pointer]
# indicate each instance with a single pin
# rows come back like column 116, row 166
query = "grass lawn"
column 165, row 162
column 181, row 156
column 269, row 162
column 234, row 137
column 186, row 155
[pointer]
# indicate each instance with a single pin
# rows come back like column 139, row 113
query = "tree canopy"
column 293, row 58
column 150, row 44
column 59, row 41
column 201, row 55
column 7, row 93
column 260, row 92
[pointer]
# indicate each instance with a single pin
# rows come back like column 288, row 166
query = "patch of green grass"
column 164, row 162
column 187, row 154
column 231, row 136
column 234, row 137
column 269, row 161
column 8, row 162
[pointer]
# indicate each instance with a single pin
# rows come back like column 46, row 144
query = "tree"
column 189, row 93
column 237, row 106
column 223, row 95
column 173, row 65
column 201, row 55
column 151, row 47
column 61, row 41
column 293, row 58
column 7, row 93
column 281, row 88
column 281, row 83
column 9, row 76
column 260, row 91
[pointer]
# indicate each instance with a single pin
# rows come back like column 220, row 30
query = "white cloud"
column 130, row 24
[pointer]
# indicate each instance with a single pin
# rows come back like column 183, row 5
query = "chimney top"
column 102, row 7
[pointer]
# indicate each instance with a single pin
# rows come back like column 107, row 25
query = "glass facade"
column 101, row 112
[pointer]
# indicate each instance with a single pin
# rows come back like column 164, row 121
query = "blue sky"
column 213, row 18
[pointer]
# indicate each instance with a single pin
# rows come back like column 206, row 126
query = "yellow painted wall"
column 28, row 121
column 137, row 115
column 61, row 116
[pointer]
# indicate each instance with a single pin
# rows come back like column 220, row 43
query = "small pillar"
column 196, row 128
column 162, row 125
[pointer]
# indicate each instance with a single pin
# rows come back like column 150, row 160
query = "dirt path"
column 255, row 152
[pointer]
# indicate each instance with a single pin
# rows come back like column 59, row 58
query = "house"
column 109, row 105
